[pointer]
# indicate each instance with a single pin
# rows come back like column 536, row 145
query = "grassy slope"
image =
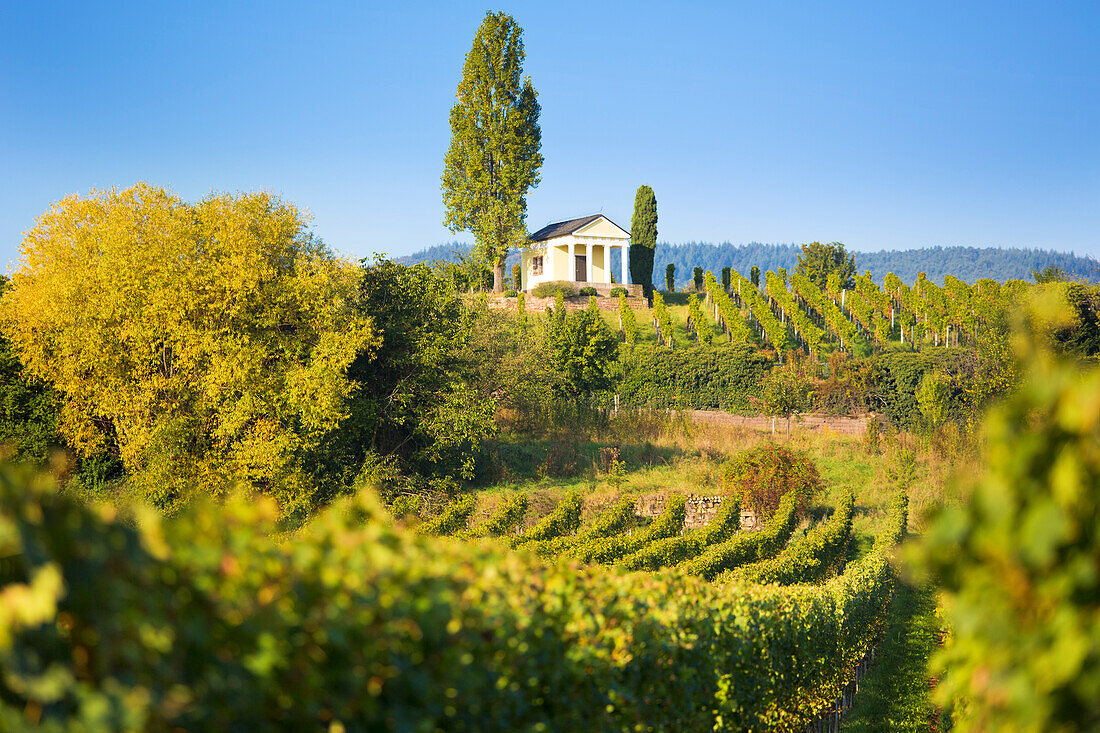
column 895, row 695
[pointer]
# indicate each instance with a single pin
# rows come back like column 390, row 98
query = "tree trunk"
column 498, row 276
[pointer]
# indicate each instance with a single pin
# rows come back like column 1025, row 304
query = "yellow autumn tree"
column 205, row 343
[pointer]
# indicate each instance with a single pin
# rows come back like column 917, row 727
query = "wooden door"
column 581, row 274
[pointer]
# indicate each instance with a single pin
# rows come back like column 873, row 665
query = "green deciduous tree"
column 414, row 407
column 817, row 260
column 643, row 238
column 204, row 344
column 786, row 392
column 494, row 156
column 584, row 349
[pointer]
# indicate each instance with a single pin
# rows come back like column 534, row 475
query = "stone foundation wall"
column 698, row 512
column 539, row 305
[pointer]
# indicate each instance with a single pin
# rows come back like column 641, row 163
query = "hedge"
column 672, row 550
column 453, row 518
column 747, row 547
column 610, row 549
column 213, row 621
column 811, row 559
column 508, row 516
column 563, row 521
column 694, row 376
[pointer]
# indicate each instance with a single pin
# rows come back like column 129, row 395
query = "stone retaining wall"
column 698, row 512
column 539, row 305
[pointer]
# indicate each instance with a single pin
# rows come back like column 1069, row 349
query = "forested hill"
column 966, row 263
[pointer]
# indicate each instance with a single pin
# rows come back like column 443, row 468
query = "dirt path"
column 842, row 424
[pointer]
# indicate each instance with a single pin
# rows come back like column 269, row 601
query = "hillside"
column 966, row 263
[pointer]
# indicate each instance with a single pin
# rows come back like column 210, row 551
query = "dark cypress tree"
column 754, row 275
column 670, row 278
column 643, row 238
column 697, row 278
column 726, row 278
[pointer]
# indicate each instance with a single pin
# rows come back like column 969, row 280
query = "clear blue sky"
column 876, row 124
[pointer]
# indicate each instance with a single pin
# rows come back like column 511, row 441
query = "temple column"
column 626, row 264
column 572, row 261
column 607, row 263
column 588, row 257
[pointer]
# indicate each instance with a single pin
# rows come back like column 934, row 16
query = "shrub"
column 589, row 290
column 763, row 475
column 510, row 293
column 452, row 519
column 405, row 505
column 552, row 288
column 616, row 292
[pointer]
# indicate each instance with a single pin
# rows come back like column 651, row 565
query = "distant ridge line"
column 966, row 263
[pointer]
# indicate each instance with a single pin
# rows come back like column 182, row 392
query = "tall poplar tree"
column 494, row 156
column 643, row 237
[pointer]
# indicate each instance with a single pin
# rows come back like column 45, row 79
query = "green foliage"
column 552, row 288
column 1017, row 562
column 453, row 519
column 584, row 349
column 671, row 551
column 643, row 237
column 812, row 559
column 932, row 398
column 507, row 517
column 774, row 331
column 829, row 311
column 697, row 279
column 589, row 290
column 628, row 324
column 670, row 278
column 785, row 392
column 29, row 409
column 726, row 278
column 818, row 260
column 617, row 292
column 748, row 547
column 414, row 401
column 611, row 549
column 702, row 377
column 561, row 522
column 517, row 276
column 698, row 322
column 406, row 505
column 1049, row 274
column 754, row 275
column 510, row 293
column 662, row 321
column 728, row 314
column 494, row 154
